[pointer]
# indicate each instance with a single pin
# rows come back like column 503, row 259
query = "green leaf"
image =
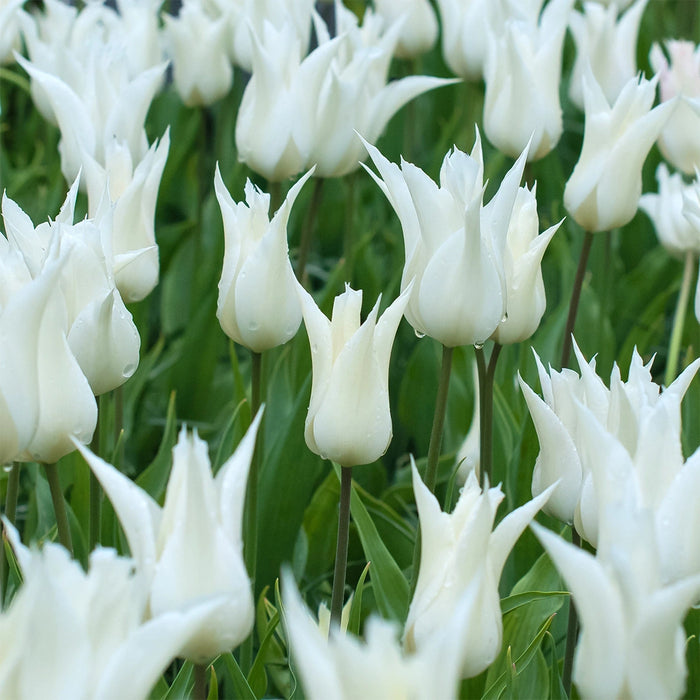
column 355, row 620
column 213, row 693
column 242, row 691
column 521, row 663
column 388, row 582
column 154, row 478
column 556, row 687
column 182, row 685
column 257, row 678
column 512, row 602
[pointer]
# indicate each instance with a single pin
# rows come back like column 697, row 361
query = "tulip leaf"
column 512, row 602
column 240, row 684
column 182, row 685
column 154, row 478
column 213, row 693
column 257, row 678
column 521, row 663
column 388, row 582
column 356, row 609
column 556, row 687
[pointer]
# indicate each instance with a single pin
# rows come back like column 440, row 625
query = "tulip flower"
column 522, row 75
column 461, row 564
column 197, row 44
column 258, row 305
column 679, row 141
column 632, row 641
column 454, row 244
column 645, row 422
column 9, row 29
column 608, row 44
column 604, row 189
column 419, row 28
column 525, row 294
column 349, row 420
column 111, row 106
column 341, row 666
column 75, row 634
column 464, row 36
column 100, row 331
column 339, row 88
column 665, row 209
column 191, row 549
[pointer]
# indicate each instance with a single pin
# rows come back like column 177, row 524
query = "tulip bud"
column 522, row 75
column 525, row 294
column 464, row 36
column 198, row 47
column 258, row 305
column 665, row 209
column 604, row 189
column 419, row 28
column 608, row 44
column 679, row 141
column 349, row 419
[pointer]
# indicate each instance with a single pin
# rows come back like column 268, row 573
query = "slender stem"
column 59, row 506
column 434, row 448
column 12, row 492
column 307, row 232
column 486, row 377
column 438, row 419
column 674, row 347
column 251, row 509
column 349, row 240
column 10, row 514
column 95, row 494
column 571, row 631
column 200, row 682
column 119, row 421
column 575, row 297
column 341, row 551
column 275, row 197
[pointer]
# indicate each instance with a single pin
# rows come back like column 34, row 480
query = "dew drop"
column 505, row 317
column 419, row 334
column 478, row 346
column 7, row 468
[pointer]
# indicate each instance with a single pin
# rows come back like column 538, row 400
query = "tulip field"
column 348, row 349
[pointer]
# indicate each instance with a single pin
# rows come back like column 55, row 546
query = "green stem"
column 251, row 509
column 438, row 419
column 59, row 506
column 12, row 492
column 575, row 297
column 275, row 198
column 434, row 448
column 571, row 631
column 200, row 682
column 349, row 240
column 95, row 494
column 674, row 347
column 307, row 232
column 10, row 514
column 486, row 377
column 341, row 551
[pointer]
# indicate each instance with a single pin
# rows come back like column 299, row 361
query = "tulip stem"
column 486, row 377
column 341, row 551
column 571, row 631
column 200, row 682
column 575, row 297
column 349, row 239
column 438, row 419
column 10, row 514
column 59, row 506
column 12, row 492
column 307, row 231
column 674, row 347
column 251, row 509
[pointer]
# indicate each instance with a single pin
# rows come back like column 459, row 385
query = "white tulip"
column 191, row 549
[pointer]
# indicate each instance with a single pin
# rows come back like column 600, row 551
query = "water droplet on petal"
column 478, row 346
column 419, row 334
column 505, row 317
